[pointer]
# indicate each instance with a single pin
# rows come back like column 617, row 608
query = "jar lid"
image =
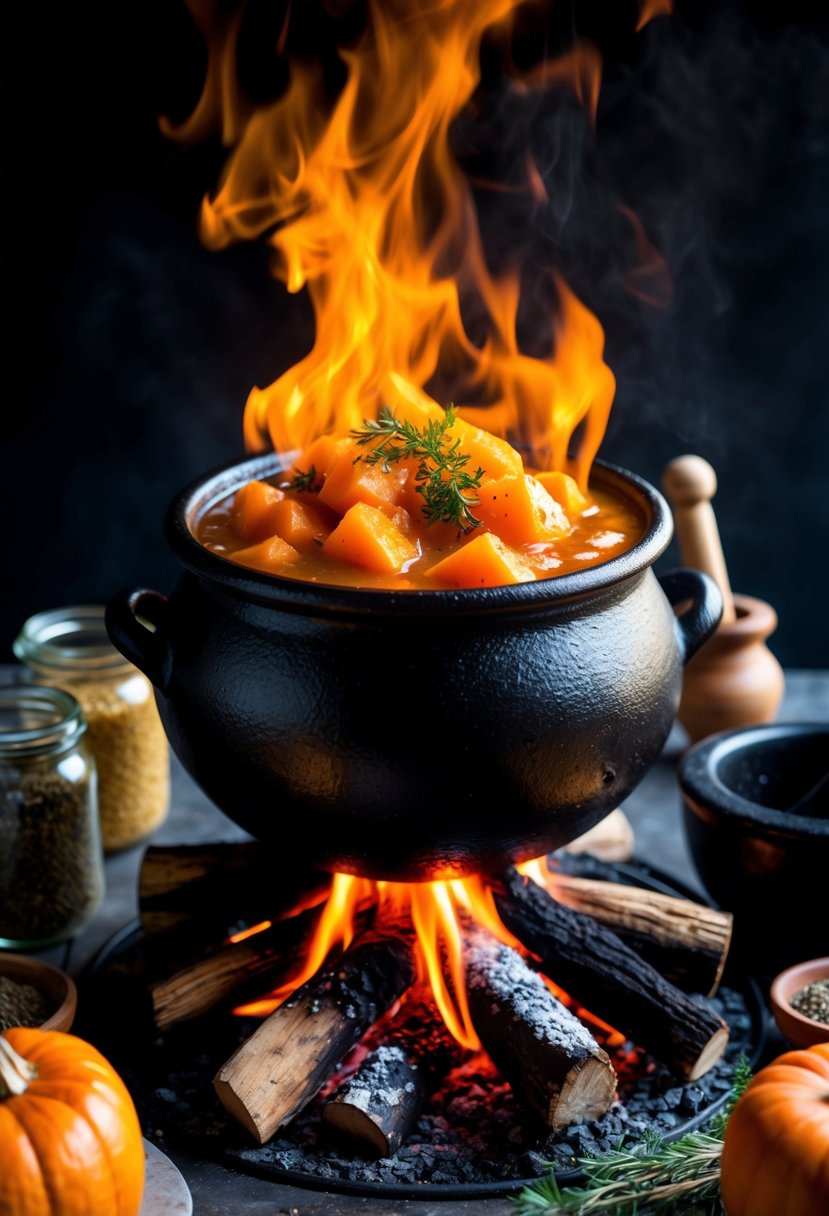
column 70, row 640
column 37, row 721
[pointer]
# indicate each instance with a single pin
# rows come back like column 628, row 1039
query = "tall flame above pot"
column 408, row 734
column 416, row 734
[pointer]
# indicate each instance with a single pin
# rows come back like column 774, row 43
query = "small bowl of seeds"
column 800, row 1002
column 33, row 993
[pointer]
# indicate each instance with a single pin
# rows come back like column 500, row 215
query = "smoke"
column 711, row 142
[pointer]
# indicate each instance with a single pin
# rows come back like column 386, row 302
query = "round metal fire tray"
column 120, row 1023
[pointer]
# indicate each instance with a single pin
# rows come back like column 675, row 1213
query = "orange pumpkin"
column 775, row 1159
column 70, row 1141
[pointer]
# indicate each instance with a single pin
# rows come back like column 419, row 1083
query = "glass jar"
column 69, row 648
column 51, row 867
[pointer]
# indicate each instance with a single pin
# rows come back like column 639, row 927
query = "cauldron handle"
column 704, row 606
column 134, row 621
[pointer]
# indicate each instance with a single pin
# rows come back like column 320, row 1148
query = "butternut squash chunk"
column 253, row 506
column 299, row 524
column 348, row 483
column 484, row 562
column 366, row 537
column 566, row 493
column 495, row 456
column 269, row 555
column 520, row 511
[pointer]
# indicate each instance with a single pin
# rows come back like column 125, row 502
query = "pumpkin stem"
column 16, row 1074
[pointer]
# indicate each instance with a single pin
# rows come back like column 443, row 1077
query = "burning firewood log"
column 597, row 969
column 548, row 1056
column 270, row 956
column 380, row 1102
column 687, row 942
column 200, row 887
column 288, row 1059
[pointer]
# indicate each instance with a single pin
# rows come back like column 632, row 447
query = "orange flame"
column 438, row 912
column 648, row 9
column 364, row 205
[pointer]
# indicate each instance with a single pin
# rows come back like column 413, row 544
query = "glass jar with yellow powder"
column 69, row 648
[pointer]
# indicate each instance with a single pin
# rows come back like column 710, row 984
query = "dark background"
column 128, row 350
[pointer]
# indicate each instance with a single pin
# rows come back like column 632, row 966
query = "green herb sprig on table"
column 443, row 481
column 648, row 1177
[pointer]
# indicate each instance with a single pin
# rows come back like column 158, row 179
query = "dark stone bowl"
column 759, row 842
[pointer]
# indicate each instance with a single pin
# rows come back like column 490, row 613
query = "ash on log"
column 417, row 1032
column 199, row 887
column 685, row 941
column 545, row 1053
column 288, row 1059
column 597, row 969
column 380, row 1102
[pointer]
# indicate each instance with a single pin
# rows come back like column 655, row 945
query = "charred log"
column 685, row 941
column 285, row 1063
column 379, row 1103
column 596, row 968
column 549, row 1057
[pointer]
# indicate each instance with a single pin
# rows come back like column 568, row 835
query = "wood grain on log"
column 595, row 967
column 271, row 957
column 687, row 942
column 285, row 1063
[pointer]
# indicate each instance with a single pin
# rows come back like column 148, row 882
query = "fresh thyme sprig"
column 648, row 1177
column 303, row 479
column 447, row 488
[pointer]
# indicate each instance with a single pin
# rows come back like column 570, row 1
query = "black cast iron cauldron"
column 416, row 734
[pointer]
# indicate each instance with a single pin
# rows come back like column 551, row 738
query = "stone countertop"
column 654, row 811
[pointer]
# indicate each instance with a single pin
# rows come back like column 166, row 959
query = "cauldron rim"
column 288, row 593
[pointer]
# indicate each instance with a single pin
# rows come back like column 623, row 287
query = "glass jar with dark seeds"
column 69, row 648
column 51, row 864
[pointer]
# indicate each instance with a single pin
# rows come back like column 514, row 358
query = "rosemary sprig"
column 648, row 1177
column 443, row 481
column 303, row 479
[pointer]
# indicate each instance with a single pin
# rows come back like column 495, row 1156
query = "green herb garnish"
column 448, row 490
column 303, row 479
column 648, row 1177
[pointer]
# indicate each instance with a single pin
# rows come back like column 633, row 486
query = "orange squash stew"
column 352, row 512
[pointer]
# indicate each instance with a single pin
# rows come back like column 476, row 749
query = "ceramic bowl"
column 756, row 853
column 58, row 988
column 795, row 1027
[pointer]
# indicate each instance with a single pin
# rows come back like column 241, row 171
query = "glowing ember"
column 244, row 934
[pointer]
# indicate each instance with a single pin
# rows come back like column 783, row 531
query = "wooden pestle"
column 734, row 680
column 690, row 483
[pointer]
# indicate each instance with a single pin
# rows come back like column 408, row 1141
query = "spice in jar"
column 51, row 868
column 813, row 1001
column 69, row 648
column 21, row 1004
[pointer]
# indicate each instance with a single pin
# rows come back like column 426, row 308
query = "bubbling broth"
column 401, row 506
